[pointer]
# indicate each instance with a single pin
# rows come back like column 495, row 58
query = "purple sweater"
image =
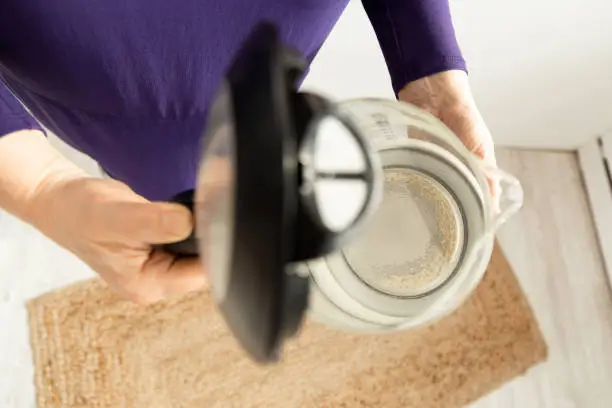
column 129, row 82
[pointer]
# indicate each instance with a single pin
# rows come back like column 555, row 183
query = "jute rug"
column 92, row 349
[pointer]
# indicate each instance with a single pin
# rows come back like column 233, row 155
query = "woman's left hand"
column 447, row 96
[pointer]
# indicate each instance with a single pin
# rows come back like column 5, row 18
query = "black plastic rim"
column 264, row 301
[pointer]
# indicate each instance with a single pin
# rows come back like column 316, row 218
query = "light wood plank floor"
column 551, row 244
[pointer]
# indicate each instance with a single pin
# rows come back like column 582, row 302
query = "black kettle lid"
column 247, row 197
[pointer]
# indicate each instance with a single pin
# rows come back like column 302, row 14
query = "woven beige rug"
column 92, row 349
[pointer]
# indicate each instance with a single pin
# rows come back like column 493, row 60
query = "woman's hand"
column 115, row 232
column 447, row 96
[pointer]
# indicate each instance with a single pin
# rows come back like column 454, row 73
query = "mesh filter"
column 413, row 243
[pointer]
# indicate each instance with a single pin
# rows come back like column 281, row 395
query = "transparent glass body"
column 428, row 245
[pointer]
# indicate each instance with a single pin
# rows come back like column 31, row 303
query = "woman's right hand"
column 103, row 222
column 116, row 232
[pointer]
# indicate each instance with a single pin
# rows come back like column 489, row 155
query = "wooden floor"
column 551, row 245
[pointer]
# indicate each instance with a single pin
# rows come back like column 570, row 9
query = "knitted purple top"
column 129, row 82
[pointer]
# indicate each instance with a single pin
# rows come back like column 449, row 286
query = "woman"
column 129, row 83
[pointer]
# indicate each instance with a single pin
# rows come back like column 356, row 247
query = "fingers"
column 149, row 223
column 175, row 275
column 164, row 275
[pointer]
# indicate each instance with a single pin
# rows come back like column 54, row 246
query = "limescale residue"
column 412, row 244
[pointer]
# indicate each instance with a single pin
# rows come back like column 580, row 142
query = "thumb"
column 151, row 223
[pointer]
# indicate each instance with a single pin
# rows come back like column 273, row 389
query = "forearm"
column 417, row 38
column 28, row 165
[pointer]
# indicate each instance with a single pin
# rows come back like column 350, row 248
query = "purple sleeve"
column 417, row 38
column 13, row 116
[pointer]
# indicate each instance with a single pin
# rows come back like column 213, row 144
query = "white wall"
column 541, row 70
column 350, row 64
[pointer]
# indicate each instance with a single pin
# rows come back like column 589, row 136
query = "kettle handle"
column 188, row 246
